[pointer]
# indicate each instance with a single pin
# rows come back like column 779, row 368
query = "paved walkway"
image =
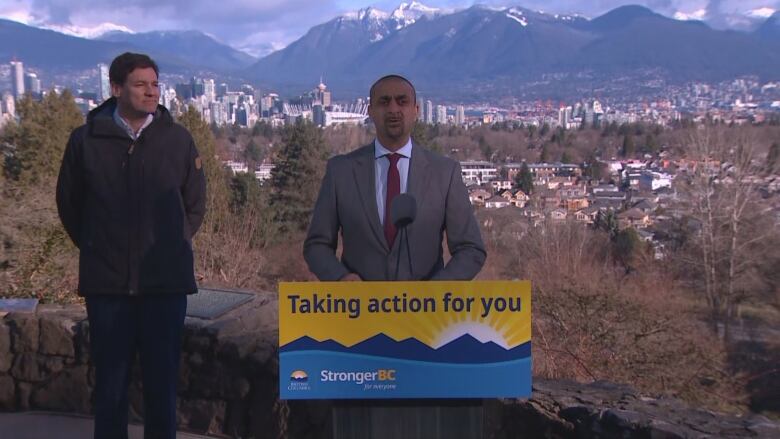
column 45, row 425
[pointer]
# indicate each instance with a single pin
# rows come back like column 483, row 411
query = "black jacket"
column 132, row 207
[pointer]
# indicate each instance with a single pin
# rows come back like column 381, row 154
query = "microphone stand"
column 403, row 237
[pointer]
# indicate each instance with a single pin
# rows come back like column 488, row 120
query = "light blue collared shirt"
column 126, row 126
column 382, row 165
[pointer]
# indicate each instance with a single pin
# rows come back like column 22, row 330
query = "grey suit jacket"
column 347, row 203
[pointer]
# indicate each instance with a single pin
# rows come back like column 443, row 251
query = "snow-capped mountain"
column 483, row 43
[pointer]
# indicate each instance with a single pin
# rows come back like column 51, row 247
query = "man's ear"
column 116, row 90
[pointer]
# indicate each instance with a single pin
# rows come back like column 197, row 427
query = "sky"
column 261, row 26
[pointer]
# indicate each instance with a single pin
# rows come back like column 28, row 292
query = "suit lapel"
column 418, row 176
column 365, row 181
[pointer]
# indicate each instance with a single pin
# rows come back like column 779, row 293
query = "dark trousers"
column 120, row 326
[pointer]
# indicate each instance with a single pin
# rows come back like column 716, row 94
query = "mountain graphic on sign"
column 465, row 349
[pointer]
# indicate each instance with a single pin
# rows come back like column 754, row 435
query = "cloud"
column 268, row 23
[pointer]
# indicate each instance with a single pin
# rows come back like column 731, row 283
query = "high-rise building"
column 428, row 112
column 222, row 90
column 210, row 90
column 17, row 78
column 322, row 95
column 104, row 82
column 318, row 114
column 441, row 114
column 9, row 107
column 420, row 110
column 32, row 84
column 198, row 87
column 460, row 115
column 564, row 116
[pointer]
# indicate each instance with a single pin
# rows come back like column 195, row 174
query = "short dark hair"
column 125, row 63
column 399, row 77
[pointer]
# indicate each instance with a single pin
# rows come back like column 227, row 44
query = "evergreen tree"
column 296, row 178
column 607, row 221
column 595, row 169
column 544, row 156
column 37, row 143
column 486, row 149
column 651, row 144
column 545, row 129
column 627, row 245
column 565, row 157
column 628, row 149
column 252, row 153
column 524, row 180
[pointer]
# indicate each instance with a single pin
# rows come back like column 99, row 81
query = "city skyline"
column 259, row 28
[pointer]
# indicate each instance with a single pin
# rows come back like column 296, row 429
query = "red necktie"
column 393, row 189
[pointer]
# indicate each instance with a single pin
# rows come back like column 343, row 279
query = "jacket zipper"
column 130, row 248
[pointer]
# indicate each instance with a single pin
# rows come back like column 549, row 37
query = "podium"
column 405, row 359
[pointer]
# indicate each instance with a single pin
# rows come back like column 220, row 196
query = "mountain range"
column 483, row 44
column 175, row 51
column 440, row 50
column 464, row 349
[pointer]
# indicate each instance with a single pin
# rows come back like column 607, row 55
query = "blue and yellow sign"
column 404, row 339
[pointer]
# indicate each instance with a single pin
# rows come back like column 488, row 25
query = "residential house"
column 520, row 199
column 478, row 195
column 558, row 214
column 633, row 218
column 587, row 215
column 496, row 202
column 651, row 181
column 499, row 185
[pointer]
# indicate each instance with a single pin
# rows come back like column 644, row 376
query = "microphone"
column 403, row 211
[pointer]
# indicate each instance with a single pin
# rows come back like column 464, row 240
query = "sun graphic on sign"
column 438, row 330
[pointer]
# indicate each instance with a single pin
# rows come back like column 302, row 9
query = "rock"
column 198, row 343
column 202, row 415
column 7, row 393
column 28, row 367
column 259, row 358
column 82, row 342
column 664, row 430
column 24, row 332
column 67, row 391
column 53, row 365
column 56, row 337
column 6, row 355
column 23, row 391
column 218, row 383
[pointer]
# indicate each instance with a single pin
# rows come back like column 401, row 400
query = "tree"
column 531, row 131
column 485, row 149
column 606, row 221
column 725, row 251
column 545, row 129
column 252, row 153
column 296, row 178
column 565, row 157
column 773, row 158
column 595, row 169
column 628, row 149
column 544, row 156
column 524, row 180
column 38, row 141
column 626, row 245
column 651, row 144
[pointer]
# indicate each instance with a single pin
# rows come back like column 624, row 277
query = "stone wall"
column 229, row 386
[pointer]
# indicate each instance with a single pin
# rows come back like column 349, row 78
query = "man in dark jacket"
column 131, row 195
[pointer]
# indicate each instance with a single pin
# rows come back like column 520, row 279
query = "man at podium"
column 356, row 199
